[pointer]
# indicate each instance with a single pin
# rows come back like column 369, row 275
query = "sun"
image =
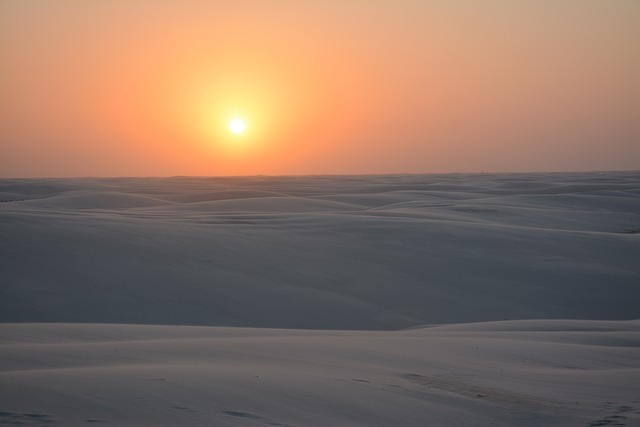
column 237, row 126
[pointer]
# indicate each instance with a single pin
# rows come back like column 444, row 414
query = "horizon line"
column 325, row 175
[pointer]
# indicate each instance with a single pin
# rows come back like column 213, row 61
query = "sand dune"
column 89, row 199
column 359, row 252
column 373, row 282
column 517, row 373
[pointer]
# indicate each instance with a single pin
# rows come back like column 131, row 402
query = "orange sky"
column 147, row 87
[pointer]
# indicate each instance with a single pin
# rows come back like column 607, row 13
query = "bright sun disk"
column 237, row 126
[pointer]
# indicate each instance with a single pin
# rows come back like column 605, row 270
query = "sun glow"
column 244, row 114
column 237, row 126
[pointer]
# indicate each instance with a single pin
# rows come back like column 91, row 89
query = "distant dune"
column 459, row 300
column 350, row 252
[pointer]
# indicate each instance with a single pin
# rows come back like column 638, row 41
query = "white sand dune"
column 89, row 199
column 350, row 252
column 104, row 281
column 516, row 373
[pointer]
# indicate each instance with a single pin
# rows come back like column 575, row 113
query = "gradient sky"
column 147, row 87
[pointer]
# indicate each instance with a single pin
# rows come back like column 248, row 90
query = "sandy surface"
column 103, row 282
column 516, row 373
column 354, row 252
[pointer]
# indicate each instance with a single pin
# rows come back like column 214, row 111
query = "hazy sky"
column 148, row 87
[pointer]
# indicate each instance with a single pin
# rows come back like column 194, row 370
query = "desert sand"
column 382, row 300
